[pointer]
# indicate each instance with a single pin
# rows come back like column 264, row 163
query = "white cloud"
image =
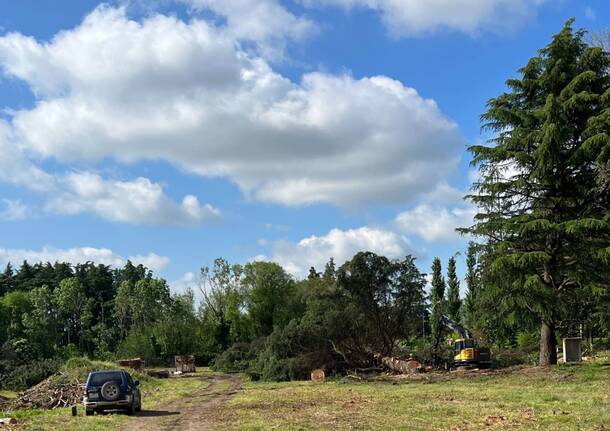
column 416, row 17
column 435, row 223
column 266, row 22
column 138, row 201
column 163, row 89
column 152, row 261
column 188, row 281
column 13, row 210
column 80, row 255
column 339, row 244
column 15, row 168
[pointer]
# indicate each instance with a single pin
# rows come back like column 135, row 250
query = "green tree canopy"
column 543, row 189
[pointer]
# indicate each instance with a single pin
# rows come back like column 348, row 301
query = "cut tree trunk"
column 401, row 366
column 548, row 344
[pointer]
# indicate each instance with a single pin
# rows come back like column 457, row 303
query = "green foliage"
column 543, row 193
column 139, row 343
column 270, row 294
column 437, row 299
column 236, row 359
column 472, row 286
column 454, row 303
column 28, row 374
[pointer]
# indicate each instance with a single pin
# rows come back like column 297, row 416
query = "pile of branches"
column 60, row 390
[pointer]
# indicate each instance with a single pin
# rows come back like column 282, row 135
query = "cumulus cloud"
column 13, row 210
column 80, row 255
column 164, row 89
column 416, row 17
column 16, row 168
column 139, row 201
column 265, row 22
column 435, row 223
column 188, row 281
column 341, row 245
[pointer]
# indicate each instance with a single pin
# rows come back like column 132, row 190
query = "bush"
column 138, row 344
column 516, row 356
column 236, row 359
column 528, row 340
column 26, row 375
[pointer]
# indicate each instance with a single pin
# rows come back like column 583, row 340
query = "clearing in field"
column 564, row 397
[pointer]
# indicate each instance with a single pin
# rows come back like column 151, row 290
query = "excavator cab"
column 466, row 352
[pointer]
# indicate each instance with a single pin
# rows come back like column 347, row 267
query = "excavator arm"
column 454, row 326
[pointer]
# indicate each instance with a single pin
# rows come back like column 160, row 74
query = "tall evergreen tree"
column 7, row 279
column 437, row 299
column 454, row 303
column 330, row 272
column 472, row 285
column 543, row 193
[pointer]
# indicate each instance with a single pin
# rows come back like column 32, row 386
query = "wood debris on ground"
column 51, row 393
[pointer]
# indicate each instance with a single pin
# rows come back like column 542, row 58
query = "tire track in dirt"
column 191, row 413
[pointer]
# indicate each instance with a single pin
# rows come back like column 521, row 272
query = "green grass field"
column 575, row 397
column 154, row 393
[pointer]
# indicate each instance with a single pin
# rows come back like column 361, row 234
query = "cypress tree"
column 472, row 286
column 437, row 299
column 543, row 193
column 454, row 302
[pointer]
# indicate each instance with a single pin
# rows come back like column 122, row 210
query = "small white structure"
column 572, row 350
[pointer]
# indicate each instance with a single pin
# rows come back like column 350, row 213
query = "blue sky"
column 174, row 132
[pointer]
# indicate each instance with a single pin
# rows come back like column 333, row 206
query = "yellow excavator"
column 465, row 349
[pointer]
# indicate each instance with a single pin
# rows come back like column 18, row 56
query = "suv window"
column 98, row 379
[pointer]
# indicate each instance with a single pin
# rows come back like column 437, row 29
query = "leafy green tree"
column 437, row 301
column 454, row 303
column 270, row 294
column 42, row 325
column 73, row 305
column 174, row 330
column 15, row 305
column 390, row 294
column 543, row 192
column 123, row 308
column 223, row 300
column 151, row 297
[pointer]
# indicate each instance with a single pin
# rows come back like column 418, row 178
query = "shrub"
column 236, row 359
column 516, row 356
column 26, row 375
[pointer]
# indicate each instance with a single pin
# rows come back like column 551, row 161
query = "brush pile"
column 59, row 390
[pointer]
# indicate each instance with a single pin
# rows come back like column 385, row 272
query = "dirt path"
column 190, row 413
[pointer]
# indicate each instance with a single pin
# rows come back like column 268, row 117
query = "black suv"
column 112, row 390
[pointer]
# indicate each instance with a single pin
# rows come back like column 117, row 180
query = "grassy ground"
column 575, row 397
column 154, row 393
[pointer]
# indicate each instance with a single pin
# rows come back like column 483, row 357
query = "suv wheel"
column 110, row 391
column 131, row 410
column 89, row 412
